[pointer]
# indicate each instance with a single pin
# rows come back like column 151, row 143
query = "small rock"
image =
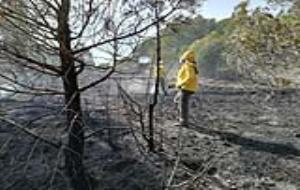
column 227, row 144
column 194, row 164
column 212, row 171
column 268, row 182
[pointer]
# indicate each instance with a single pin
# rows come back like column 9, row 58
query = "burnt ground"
column 237, row 139
column 247, row 139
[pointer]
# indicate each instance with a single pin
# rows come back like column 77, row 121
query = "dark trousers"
column 183, row 105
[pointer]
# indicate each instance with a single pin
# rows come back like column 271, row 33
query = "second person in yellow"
column 162, row 78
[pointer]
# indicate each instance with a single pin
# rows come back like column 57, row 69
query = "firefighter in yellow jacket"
column 187, row 84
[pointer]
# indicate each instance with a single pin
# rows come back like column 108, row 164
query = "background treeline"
column 253, row 44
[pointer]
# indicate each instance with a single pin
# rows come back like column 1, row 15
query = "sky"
column 220, row 9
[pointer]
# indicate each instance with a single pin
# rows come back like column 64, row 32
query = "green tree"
column 269, row 51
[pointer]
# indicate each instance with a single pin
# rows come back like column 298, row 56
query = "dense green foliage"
column 264, row 47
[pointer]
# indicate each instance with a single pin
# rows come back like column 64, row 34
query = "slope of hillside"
column 177, row 37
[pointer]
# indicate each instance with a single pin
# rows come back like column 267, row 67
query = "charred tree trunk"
column 75, row 149
column 156, row 92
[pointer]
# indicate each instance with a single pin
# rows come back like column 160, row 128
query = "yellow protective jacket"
column 187, row 76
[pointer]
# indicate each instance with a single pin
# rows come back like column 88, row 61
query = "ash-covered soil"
column 237, row 139
column 246, row 139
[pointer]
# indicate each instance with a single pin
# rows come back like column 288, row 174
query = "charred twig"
column 35, row 136
column 102, row 129
column 135, row 108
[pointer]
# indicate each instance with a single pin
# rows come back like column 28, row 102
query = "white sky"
column 220, row 9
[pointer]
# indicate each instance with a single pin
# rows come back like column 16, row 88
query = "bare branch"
column 27, row 131
column 32, row 61
column 29, row 87
column 94, row 83
column 130, row 34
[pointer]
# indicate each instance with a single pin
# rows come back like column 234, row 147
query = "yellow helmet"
column 189, row 55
